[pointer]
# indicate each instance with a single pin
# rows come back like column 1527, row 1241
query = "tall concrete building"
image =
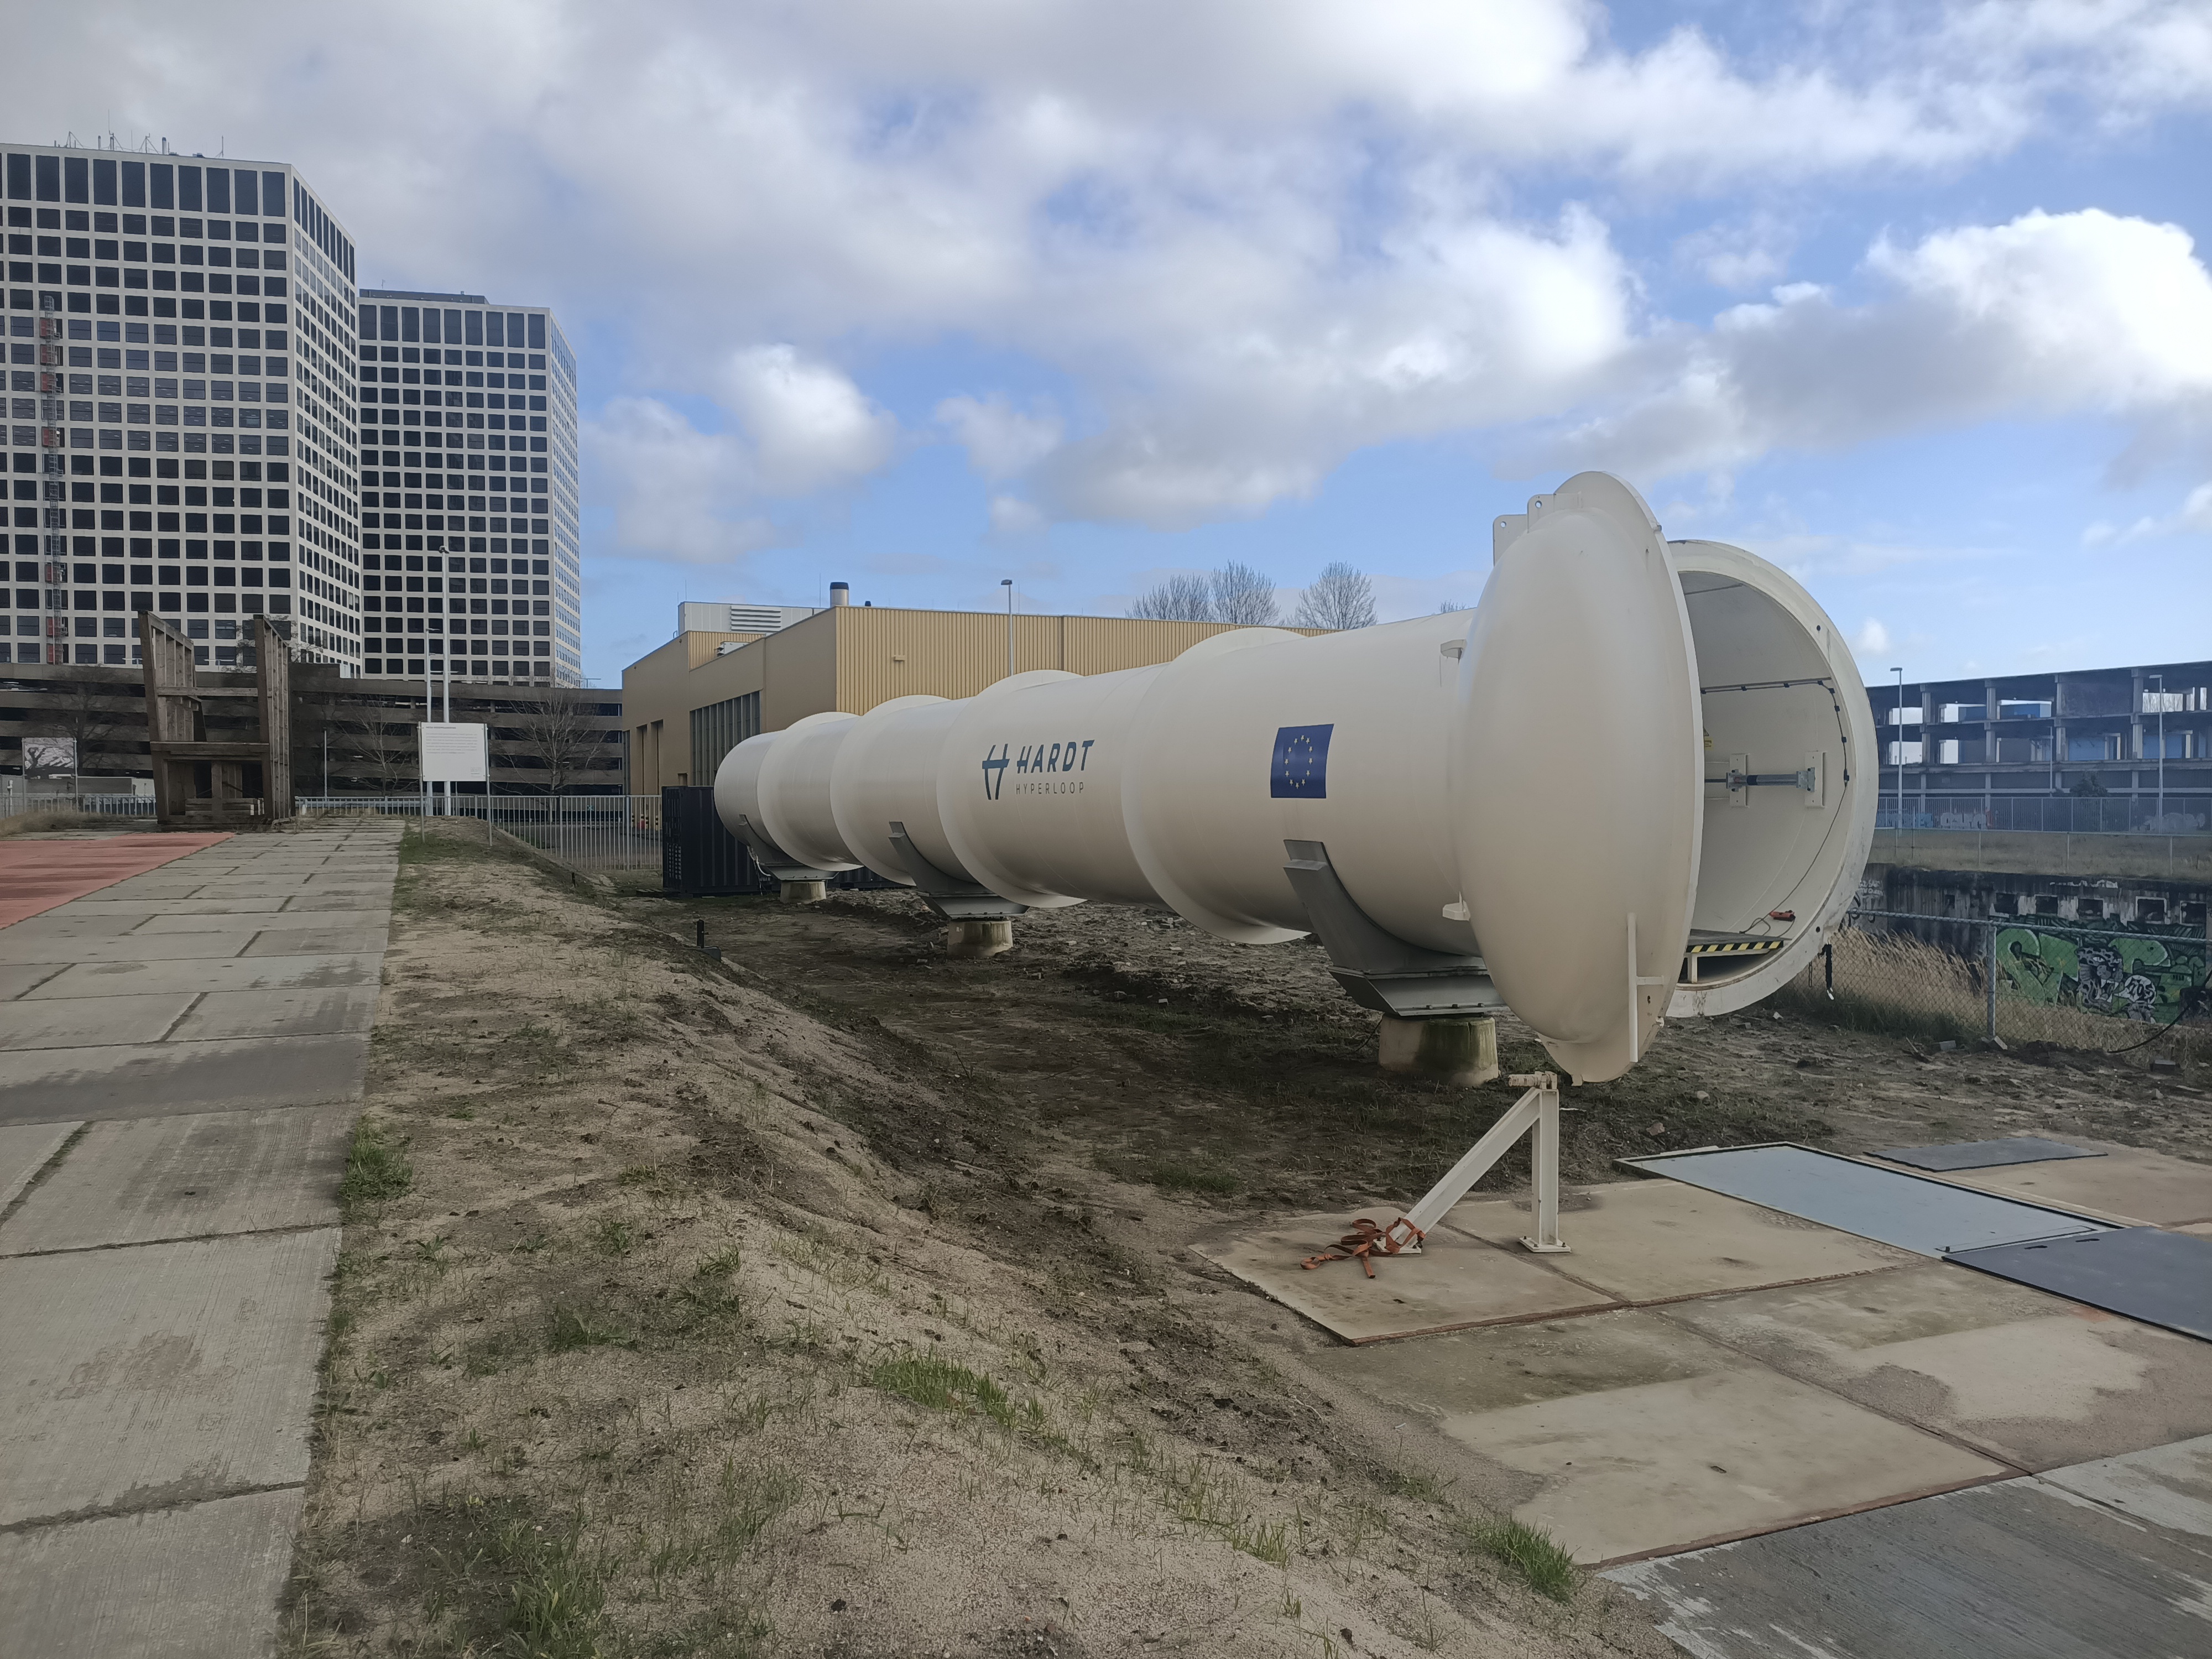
column 179, row 337
column 473, row 544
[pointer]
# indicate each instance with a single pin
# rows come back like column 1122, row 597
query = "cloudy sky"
column 1910, row 298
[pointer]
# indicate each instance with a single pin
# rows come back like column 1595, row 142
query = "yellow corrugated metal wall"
column 854, row 657
column 884, row 652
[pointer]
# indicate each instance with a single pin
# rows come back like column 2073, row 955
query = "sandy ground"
column 836, row 1299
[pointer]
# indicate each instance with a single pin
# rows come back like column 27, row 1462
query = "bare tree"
column 1243, row 596
column 1179, row 599
column 1339, row 598
column 1448, row 606
column 557, row 732
column 365, row 744
column 71, row 726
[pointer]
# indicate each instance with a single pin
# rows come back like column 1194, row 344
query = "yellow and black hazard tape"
column 1738, row 947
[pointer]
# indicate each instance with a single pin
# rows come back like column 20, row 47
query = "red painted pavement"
column 37, row 875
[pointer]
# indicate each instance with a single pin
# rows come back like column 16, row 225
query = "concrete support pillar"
column 803, row 892
column 1461, row 1052
column 971, row 941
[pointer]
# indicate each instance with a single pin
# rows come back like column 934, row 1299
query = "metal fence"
column 2076, row 815
column 2138, row 990
column 598, row 835
column 113, row 806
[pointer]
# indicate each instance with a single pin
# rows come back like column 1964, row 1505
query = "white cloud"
column 1000, row 439
column 1873, row 641
column 812, row 428
column 678, row 494
column 1011, row 516
column 2049, row 314
column 1739, row 257
column 1252, row 237
column 2192, row 516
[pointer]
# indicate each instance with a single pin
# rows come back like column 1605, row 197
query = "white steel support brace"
column 1537, row 1109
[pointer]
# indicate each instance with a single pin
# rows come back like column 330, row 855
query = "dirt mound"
column 834, row 1300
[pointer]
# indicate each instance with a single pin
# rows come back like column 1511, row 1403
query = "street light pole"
column 1007, row 582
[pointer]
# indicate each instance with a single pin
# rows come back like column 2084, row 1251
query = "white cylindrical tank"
column 1529, row 784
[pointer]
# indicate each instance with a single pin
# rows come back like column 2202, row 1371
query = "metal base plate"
column 2159, row 1278
column 1983, row 1154
column 1911, row 1212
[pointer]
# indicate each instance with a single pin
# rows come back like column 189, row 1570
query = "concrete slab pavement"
column 164, row 1284
column 1453, row 1283
column 2031, row 1378
column 1622, row 1434
column 159, row 1375
column 2126, row 1184
column 153, row 1079
column 1655, row 1241
column 197, row 1583
column 2106, row 1561
column 358, row 968
column 137, row 1181
column 77, row 1023
column 26, row 1149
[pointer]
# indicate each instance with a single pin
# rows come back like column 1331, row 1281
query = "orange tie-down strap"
column 1366, row 1240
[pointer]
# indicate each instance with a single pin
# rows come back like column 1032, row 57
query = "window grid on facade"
column 178, row 433
column 467, row 411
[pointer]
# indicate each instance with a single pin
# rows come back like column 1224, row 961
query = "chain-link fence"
column 598, row 835
column 2139, row 989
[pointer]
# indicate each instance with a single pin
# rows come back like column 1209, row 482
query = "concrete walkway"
column 181, row 1056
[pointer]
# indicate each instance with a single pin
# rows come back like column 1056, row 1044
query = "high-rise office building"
column 179, row 337
column 468, row 457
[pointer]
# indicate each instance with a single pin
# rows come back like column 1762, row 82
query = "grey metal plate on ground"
column 2025, row 1568
column 1983, row 1154
column 1909, row 1211
column 2158, row 1277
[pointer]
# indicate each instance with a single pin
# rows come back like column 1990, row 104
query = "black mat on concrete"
column 1983, row 1154
column 2145, row 1272
column 2017, row 1569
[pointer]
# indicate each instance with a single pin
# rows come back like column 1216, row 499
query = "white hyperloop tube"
column 1613, row 752
column 794, row 790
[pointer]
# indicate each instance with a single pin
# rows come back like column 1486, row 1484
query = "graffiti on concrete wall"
column 2129, row 977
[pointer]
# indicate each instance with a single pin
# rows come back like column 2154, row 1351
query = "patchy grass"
column 377, row 1170
column 1181, row 1176
column 1548, row 1569
column 549, row 1596
column 941, row 1385
column 568, row 1329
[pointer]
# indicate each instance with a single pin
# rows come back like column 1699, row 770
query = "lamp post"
column 1007, row 582
column 1896, row 720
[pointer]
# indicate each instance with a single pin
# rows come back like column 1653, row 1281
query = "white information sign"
column 454, row 752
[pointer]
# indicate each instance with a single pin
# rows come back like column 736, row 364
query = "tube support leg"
column 971, row 941
column 1544, row 1162
column 803, row 892
column 1460, row 1052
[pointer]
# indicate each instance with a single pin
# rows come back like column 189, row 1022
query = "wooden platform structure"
column 197, row 783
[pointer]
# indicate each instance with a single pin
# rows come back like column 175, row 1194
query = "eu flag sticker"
column 1301, row 768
